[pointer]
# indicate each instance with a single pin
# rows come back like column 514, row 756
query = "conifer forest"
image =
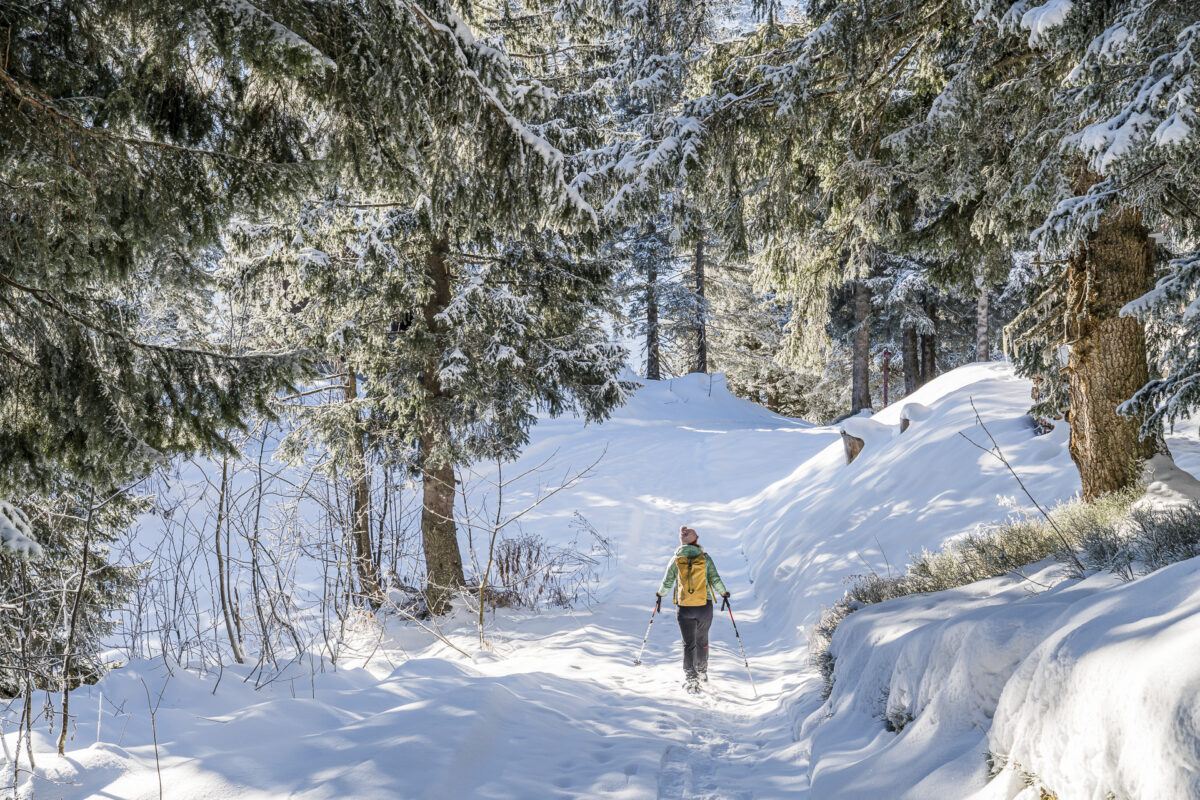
column 363, row 364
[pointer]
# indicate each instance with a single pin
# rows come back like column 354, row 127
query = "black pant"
column 694, row 622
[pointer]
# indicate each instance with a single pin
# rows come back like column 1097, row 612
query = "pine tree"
column 1106, row 158
column 119, row 168
column 660, row 304
column 911, row 101
column 1129, row 110
column 451, row 223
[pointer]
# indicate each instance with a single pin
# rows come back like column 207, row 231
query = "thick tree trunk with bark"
column 860, row 391
column 910, row 356
column 439, row 536
column 652, row 344
column 929, row 346
column 360, row 506
column 983, row 339
column 443, row 559
column 1107, row 362
column 701, row 333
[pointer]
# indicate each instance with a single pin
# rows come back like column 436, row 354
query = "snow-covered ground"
column 1087, row 685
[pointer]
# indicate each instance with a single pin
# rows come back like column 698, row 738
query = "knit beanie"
column 688, row 535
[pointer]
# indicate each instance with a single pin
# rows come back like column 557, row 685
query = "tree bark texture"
column 929, row 345
column 701, row 333
column 360, row 505
column 911, row 357
column 439, row 536
column 72, row 626
column 860, row 391
column 653, row 370
column 852, row 445
column 983, row 339
column 223, row 564
column 1107, row 362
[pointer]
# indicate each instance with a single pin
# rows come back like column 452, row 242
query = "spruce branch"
column 46, row 105
column 48, row 299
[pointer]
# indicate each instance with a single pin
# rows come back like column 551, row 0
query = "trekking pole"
column 657, row 608
column 726, row 605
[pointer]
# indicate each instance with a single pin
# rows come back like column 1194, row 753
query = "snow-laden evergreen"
column 318, row 330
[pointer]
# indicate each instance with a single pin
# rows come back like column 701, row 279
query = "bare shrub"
column 1092, row 529
column 1166, row 536
column 532, row 573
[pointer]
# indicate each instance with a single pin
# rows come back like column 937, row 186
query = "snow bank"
column 1086, row 685
column 1088, row 688
column 828, row 520
column 1108, row 703
column 916, row 683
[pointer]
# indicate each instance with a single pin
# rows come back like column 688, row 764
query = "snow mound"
column 1088, row 687
column 695, row 398
column 828, row 520
column 1167, row 485
column 1108, row 703
column 914, row 412
column 871, row 431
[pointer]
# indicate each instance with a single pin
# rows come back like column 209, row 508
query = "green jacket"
column 710, row 570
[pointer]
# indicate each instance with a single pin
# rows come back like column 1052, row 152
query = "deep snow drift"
column 556, row 709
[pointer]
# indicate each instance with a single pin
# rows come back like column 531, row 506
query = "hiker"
column 692, row 573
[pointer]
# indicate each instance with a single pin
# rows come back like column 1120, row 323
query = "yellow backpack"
column 692, row 587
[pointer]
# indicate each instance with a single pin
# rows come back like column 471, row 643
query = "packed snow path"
column 556, row 708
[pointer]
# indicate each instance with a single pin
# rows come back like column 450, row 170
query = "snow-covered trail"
column 555, row 708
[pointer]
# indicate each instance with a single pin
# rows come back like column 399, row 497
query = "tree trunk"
column 443, row 560
column 439, row 536
column 929, row 345
column 983, row 340
column 223, row 563
column 72, row 626
column 852, row 446
column 912, row 360
column 360, row 505
column 701, row 313
column 860, row 393
column 1107, row 362
column 652, row 344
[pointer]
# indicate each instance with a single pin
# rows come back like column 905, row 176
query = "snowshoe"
column 692, row 686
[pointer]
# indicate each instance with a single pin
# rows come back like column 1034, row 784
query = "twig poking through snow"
column 998, row 454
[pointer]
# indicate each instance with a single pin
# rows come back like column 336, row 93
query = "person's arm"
column 714, row 580
column 669, row 579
